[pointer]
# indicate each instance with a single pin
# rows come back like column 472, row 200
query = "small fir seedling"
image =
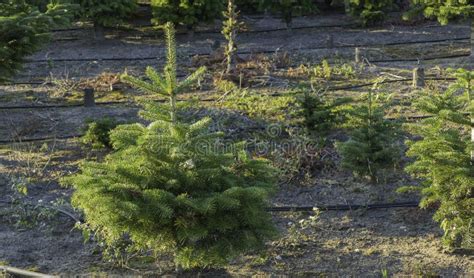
column 98, row 133
column 105, row 13
column 290, row 8
column 185, row 12
column 444, row 12
column 320, row 113
column 171, row 187
column 24, row 29
column 443, row 159
column 373, row 144
column 370, row 11
column 286, row 8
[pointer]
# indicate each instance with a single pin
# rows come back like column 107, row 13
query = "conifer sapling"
column 186, row 12
column 443, row 159
column 444, row 11
column 321, row 114
column 373, row 140
column 171, row 186
column 106, row 13
column 24, row 28
column 369, row 11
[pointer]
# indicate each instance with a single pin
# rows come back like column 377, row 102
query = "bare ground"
column 362, row 243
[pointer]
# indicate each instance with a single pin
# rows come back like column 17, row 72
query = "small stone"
column 278, row 257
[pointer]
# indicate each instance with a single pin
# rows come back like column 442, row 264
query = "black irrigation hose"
column 344, row 207
column 420, row 59
column 51, row 138
column 408, row 42
column 40, row 139
column 336, row 88
column 54, row 106
column 94, row 59
column 238, row 53
column 248, row 52
column 66, row 137
column 213, row 31
column 386, row 82
column 184, row 75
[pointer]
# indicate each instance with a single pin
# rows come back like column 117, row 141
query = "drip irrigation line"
column 117, row 59
column 304, row 27
column 215, row 31
column 409, row 42
column 343, row 207
column 346, row 207
column 40, row 139
column 335, row 88
column 420, row 59
column 259, row 128
column 47, row 83
column 94, row 59
column 53, row 106
column 263, row 51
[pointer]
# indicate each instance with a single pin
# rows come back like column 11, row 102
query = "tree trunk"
column 173, row 108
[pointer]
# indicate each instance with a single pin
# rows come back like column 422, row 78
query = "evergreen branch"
column 143, row 85
column 190, row 80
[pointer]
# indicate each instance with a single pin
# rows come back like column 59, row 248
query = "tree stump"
column 418, row 77
column 330, row 42
column 357, row 55
column 99, row 32
column 89, row 98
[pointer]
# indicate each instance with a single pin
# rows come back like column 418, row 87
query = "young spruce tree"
column 186, row 12
column 444, row 11
column 369, row 11
column 443, row 159
column 373, row 141
column 169, row 187
column 106, row 12
column 24, row 29
column 321, row 114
